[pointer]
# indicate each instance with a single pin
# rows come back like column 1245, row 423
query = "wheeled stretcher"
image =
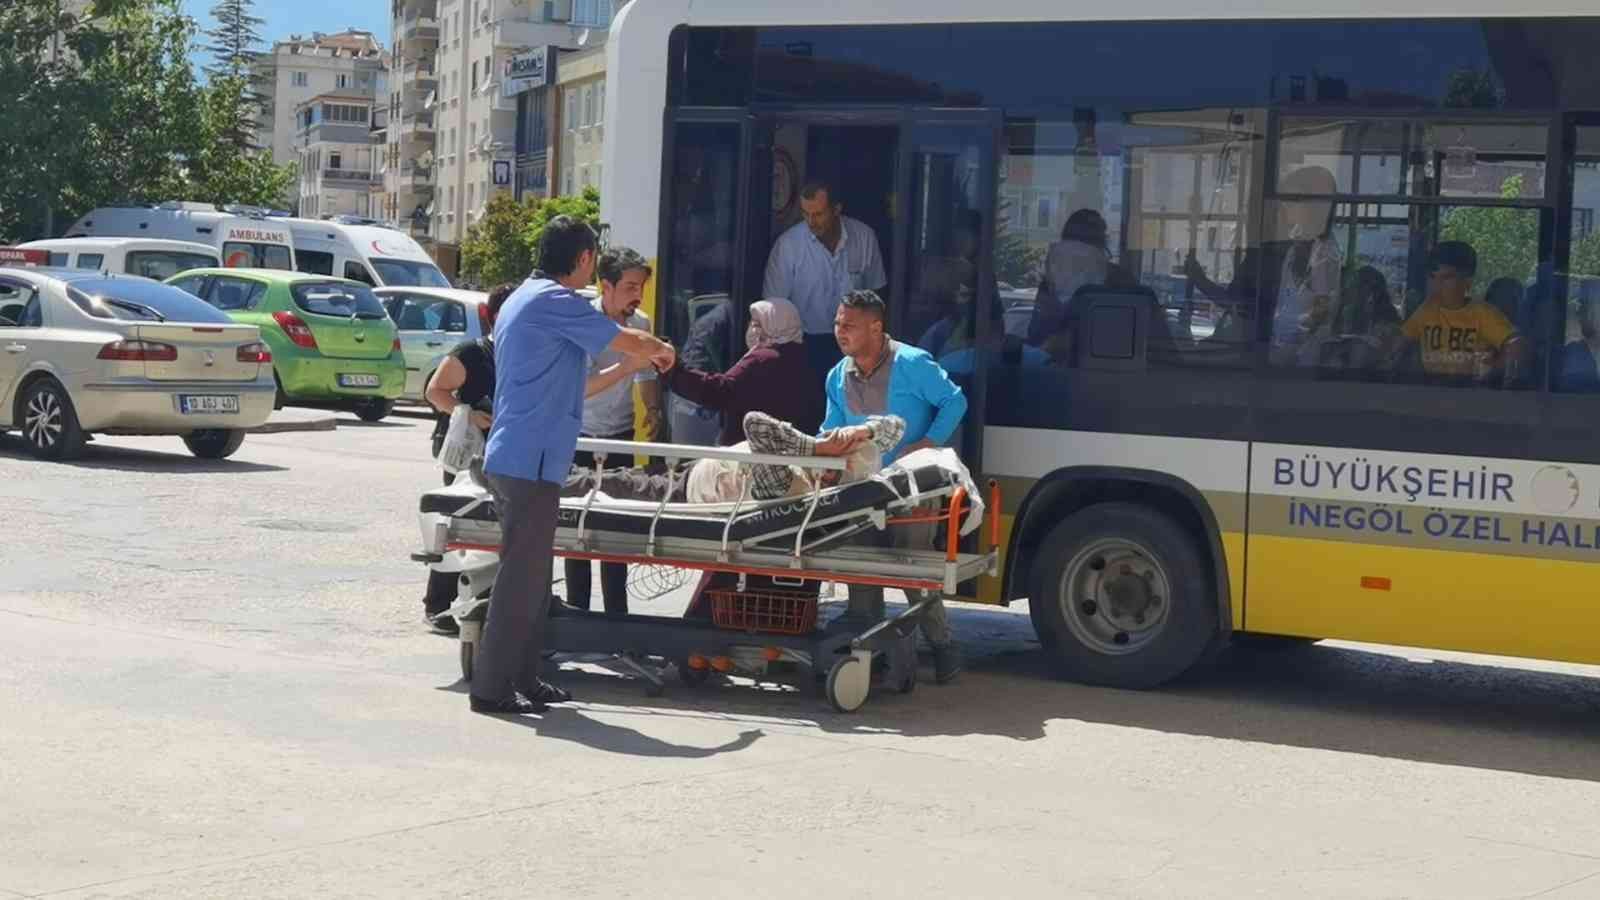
column 808, row 537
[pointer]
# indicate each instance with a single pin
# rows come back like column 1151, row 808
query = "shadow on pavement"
column 1315, row 696
column 123, row 459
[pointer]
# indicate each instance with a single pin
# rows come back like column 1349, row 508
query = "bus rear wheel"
column 1121, row 597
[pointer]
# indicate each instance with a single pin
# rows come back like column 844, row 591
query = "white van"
column 245, row 238
column 146, row 257
column 363, row 250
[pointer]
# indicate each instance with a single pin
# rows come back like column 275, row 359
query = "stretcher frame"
column 785, row 554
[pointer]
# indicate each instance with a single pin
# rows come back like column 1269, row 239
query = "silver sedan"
column 82, row 352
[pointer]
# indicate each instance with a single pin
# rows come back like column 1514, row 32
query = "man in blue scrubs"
column 542, row 339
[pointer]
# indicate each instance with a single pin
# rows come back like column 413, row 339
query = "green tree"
column 1506, row 238
column 216, row 168
column 93, row 110
column 585, row 206
column 494, row 250
column 233, row 46
column 1586, row 255
column 106, row 109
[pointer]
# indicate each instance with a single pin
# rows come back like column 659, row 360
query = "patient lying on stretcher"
column 723, row 481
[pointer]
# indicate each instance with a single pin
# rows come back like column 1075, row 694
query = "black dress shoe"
column 515, row 705
column 545, row 692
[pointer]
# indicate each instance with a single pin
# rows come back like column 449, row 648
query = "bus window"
column 314, row 262
column 1419, row 290
column 1575, row 369
column 163, row 264
column 704, row 194
column 240, row 255
column 357, row 272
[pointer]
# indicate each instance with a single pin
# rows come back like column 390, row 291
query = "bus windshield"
column 240, row 255
column 405, row 273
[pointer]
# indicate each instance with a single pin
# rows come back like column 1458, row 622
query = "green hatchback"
column 332, row 341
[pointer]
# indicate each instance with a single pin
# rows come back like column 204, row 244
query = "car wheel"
column 49, row 422
column 279, row 399
column 214, row 443
column 374, row 410
column 1122, row 598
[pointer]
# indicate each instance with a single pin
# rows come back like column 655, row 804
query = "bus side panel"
column 1215, row 470
column 1473, row 602
column 1459, row 553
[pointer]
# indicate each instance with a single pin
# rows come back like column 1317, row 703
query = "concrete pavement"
column 216, row 685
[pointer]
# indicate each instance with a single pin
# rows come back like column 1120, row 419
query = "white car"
column 432, row 322
column 83, row 353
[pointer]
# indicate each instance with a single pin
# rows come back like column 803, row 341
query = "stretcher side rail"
column 599, row 449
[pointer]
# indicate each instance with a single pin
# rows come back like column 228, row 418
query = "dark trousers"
column 822, row 351
column 513, row 638
column 613, row 576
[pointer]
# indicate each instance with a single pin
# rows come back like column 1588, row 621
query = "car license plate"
column 208, row 404
column 361, row 381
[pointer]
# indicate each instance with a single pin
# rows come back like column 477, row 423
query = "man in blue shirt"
column 879, row 376
column 542, row 338
column 817, row 261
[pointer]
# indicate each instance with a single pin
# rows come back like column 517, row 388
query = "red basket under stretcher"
column 769, row 612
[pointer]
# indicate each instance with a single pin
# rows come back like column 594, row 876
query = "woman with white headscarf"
column 773, row 377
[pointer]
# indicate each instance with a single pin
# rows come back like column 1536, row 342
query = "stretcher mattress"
column 755, row 520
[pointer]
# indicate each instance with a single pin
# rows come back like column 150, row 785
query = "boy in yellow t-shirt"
column 1460, row 337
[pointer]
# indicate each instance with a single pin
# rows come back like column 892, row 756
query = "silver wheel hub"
column 1115, row 596
column 42, row 421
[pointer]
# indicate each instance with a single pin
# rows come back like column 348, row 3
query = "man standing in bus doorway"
column 818, row 260
column 542, row 337
column 880, row 376
column 608, row 413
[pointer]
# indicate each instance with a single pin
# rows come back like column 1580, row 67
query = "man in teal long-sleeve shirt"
column 880, row 376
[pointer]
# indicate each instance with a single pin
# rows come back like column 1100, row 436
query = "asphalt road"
column 216, row 683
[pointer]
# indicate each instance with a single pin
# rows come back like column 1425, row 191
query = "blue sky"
column 285, row 17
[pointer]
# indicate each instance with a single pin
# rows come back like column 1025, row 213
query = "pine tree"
column 234, row 43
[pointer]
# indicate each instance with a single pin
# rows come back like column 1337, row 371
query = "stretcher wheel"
column 691, row 676
column 849, row 682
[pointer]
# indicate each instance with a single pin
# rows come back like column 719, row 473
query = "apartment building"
column 581, row 99
column 296, row 70
column 339, row 158
column 454, row 147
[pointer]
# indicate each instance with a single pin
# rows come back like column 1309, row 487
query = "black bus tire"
column 1122, row 597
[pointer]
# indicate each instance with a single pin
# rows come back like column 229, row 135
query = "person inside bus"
column 1580, row 359
column 818, row 260
column 1455, row 336
column 950, row 283
column 1505, row 295
column 1362, row 330
column 762, row 380
column 1312, row 267
column 880, row 376
column 608, row 414
column 1079, row 259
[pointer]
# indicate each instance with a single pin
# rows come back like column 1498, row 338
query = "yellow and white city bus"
column 1202, row 281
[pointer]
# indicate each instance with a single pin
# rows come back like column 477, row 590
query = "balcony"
column 419, row 28
column 416, row 177
column 351, row 178
column 419, row 74
column 417, row 126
